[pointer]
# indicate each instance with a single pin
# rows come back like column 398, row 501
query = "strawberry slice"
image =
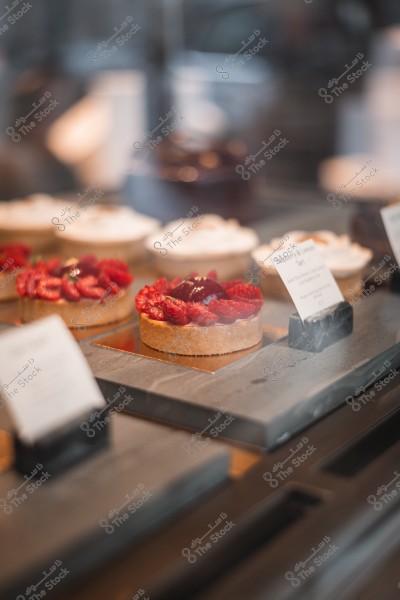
column 69, row 291
column 49, row 288
column 88, row 287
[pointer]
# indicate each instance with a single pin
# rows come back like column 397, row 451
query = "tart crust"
column 82, row 314
column 8, row 290
column 193, row 340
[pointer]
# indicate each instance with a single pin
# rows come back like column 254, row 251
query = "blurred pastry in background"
column 202, row 242
column 29, row 220
column 346, row 261
column 106, row 231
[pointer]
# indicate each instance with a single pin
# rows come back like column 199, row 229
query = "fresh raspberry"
column 119, row 276
column 69, row 291
column 155, row 313
column 112, row 263
column 212, row 275
column 141, row 298
column 32, row 280
column 175, row 282
column 53, row 266
column 21, row 282
column 105, row 282
column 199, row 314
column 244, row 292
column 49, row 288
column 16, row 249
column 225, row 310
column 175, row 311
column 88, row 287
column 162, row 285
column 244, row 309
column 13, row 255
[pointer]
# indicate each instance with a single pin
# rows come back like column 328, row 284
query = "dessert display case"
column 199, row 301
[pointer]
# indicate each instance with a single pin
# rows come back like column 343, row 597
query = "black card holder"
column 62, row 448
column 322, row 329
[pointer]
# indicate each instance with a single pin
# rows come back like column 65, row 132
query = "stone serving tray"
column 272, row 393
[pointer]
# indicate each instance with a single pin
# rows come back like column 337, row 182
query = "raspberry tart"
column 199, row 316
column 13, row 257
column 84, row 292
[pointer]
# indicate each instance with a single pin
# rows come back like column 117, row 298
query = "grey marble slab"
column 61, row 519
column 273, row 393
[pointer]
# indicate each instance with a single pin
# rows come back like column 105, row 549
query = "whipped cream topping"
column 109, row 223
column 31, row 213
column 204, row 236
column 341, row 256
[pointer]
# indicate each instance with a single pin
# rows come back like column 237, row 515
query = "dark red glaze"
column 81, row 269
column 199, row 289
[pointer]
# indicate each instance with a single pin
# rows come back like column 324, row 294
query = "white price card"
column 391, row 221
column 45, row 380
column 308, row 280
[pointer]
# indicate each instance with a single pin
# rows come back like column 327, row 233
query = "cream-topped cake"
column 345, row 259
column 108, row 230
column 202, row 243
column 29, row 220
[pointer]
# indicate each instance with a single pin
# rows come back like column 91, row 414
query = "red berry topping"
column 54, row 267
column 198, row 289
column 69, row 291
column 175, row 311
column 76, row 278
column 230, row 310
column 21, row 282
column 107, row 284
column 244, row 292
column 88, row 287
column 112, row 263
column 199, row 300
column 49, row 288
column 13, row 255
column 122, row 278
column 32, row 280
column 199, row 314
